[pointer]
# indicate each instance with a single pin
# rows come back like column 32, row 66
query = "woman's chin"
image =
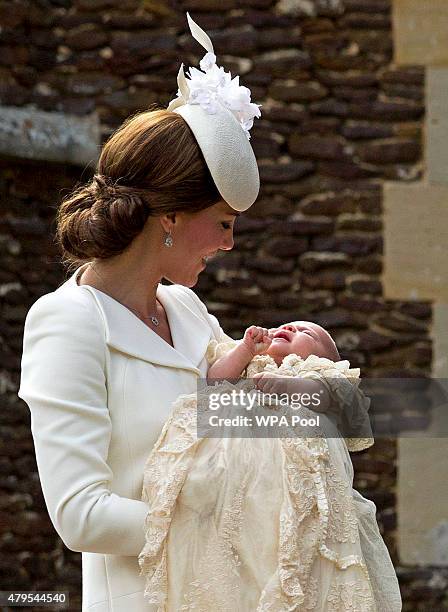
column 187, row 281
column 190, row 282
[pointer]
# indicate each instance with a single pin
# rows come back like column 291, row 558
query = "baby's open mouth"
column 281, row 335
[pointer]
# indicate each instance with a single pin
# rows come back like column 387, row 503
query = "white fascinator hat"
column 220, row 114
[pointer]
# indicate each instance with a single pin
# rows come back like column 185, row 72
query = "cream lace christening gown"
column 262, row 524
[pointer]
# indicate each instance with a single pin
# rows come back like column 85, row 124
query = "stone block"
column 347, row 169
column 210, row 5
column 316, row 147
column 390, row 151
column 286, row 246
column 321, row 125
column 290, row 90
column 278, row 62
column 422, row 501
column 361, row 304
column 314, row 261
column 309, row 8
column 351, row 244
column 360, row 130
column 273, row 38
column 330, row 106
column 404, row 75
column 415, row 241
column 369, row 21
column 283, row 173
column 387, row 110
column 420, row 32
column 437, row 124
column 363, row 284
column 86, row 36
column 367, row 6
column 328, row 279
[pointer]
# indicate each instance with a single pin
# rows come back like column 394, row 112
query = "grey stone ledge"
column 30, row 133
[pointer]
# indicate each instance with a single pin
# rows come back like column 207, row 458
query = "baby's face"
column 303, row 338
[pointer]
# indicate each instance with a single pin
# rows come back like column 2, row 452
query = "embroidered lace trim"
column 317, row 519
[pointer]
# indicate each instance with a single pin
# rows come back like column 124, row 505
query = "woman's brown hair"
column 150, row 166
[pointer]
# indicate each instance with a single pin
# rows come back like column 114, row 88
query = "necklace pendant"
column 155, row 320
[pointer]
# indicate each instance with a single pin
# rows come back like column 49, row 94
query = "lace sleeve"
column 216, row 349
column 349, row 406
column 352, row 408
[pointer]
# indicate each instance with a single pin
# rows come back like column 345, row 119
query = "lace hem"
column 317, row 518
column 164, row 475
column 326, row 514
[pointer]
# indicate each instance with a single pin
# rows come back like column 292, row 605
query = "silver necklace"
column 154, row 320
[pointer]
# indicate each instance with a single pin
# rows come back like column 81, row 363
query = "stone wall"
column 338, row 118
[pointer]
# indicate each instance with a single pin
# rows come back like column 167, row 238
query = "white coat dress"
column 100, row 384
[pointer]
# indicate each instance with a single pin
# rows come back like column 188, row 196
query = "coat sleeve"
column 63, row 382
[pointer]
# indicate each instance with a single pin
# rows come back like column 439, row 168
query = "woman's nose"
column 228, row 243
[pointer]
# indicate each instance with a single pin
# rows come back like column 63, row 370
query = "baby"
column 303, row 338
column 305, row 342
column 273, row 523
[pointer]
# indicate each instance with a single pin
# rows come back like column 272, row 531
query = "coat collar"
column 127, row 333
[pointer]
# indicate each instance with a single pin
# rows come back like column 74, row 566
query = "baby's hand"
column 257, row 339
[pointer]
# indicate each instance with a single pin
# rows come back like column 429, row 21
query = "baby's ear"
column 336, row 356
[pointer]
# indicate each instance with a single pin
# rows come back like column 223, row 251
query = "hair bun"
column 102, row 185
column 150, row 166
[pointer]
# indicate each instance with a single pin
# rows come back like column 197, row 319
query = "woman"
column 107, row 353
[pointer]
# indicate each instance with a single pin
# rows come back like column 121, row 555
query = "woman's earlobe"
column 167, row 221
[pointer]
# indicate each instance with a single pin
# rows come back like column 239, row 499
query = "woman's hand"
column 314, row 393
column 270, row 382
column 256, row 339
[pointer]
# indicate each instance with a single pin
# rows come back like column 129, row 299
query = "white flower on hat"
column 208, row 61
column 214, row 86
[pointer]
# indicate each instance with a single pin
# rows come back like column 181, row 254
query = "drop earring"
column 168, row 242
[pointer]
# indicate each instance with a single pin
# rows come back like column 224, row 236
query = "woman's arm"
column 339, row 398
column 271, row 382
column 63, row 382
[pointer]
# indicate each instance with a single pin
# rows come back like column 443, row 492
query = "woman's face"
column 197, row 236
